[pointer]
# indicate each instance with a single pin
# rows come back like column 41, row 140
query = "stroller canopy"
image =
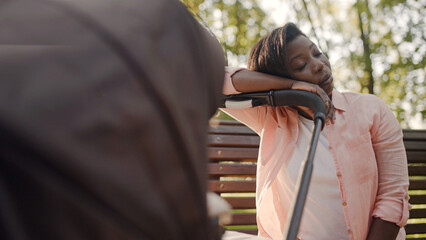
column 104, row 107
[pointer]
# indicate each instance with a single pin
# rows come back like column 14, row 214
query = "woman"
column 359, row 186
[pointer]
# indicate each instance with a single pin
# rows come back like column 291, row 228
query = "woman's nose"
column 318, row 66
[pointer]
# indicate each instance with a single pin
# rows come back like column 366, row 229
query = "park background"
column 374, row 46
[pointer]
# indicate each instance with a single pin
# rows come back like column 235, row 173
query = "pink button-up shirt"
column 368, row 152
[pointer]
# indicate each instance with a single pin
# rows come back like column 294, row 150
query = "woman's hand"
column 330, row 116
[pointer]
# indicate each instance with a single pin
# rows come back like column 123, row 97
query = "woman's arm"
column 251, row 81
column 391, row 209
column 382, row 230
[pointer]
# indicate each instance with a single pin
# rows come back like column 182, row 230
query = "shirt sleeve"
column 228, row 86
column 392, row 196
column 253, row 118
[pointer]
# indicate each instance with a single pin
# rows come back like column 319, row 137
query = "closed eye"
column 318, row 54
column 302, row 67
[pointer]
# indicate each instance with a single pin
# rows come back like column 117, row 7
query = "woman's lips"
column 327, row 81
column 327, row 85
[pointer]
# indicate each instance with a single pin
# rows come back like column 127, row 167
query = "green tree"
column 238, row 24
column 395, row 46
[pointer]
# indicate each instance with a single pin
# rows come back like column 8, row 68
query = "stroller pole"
column 290, row 98
column 302, row 186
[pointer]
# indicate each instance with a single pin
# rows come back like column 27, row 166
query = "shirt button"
column 407, row 197
column 349, row 231
column 339, row 174
column 329, row 147
column 344, row 203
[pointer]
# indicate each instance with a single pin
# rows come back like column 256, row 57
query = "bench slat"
column 417, row 185
column 417, row 170
column 418, row 213
column 220, row 153
column 228, row 153
column 232, row 169
column 247, row 231
column 415, row 145
column 241, row 202
column 232, row 186
column 418, row 199
column 243, row 219
column 415, row 228
column 215, row 122
column 217, row 140
column 414, row 135
column 416, row 156
column 232, row 130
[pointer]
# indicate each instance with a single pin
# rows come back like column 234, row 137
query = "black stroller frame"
column 289, row 98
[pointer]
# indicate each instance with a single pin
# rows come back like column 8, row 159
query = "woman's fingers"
column 298, row 85
column 330, row 115
column 331, row 111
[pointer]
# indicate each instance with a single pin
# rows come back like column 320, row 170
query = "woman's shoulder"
column 353, row 98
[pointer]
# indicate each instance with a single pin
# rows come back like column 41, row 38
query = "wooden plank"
column 415, row 228
column 417, row 185
column 419, row 135
column 222, row 153
column 232, row 130
column 415, row 145
column 417, row 170
column 241, row 202
column 243, row 219
column 418, row 213
column 247, row 170
column 416, row 156
column 247, row 231
column 232, row 186
column 225, row 122
column 409, row 134
column 216, row 140
column 417, row 199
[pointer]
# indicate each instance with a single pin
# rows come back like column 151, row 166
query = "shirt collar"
column 339, row 101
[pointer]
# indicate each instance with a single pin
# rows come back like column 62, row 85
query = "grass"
column 243, row 211
column 249, row 194
column 416, row 235
column 241, row 227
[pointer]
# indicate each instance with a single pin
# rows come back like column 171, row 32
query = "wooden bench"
column 233, row 150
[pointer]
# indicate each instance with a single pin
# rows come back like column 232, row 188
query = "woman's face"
column 308, row 64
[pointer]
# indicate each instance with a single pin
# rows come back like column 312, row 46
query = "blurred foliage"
column 238, row 24
column 222, row 116
column 397, row 46
column 391, row 54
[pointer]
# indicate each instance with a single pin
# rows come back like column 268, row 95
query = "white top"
column 323, row 207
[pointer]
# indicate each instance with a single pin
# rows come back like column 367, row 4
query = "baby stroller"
column 289, row 98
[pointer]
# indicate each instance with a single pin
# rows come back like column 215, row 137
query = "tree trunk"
column 310, row 20
column 366, row 44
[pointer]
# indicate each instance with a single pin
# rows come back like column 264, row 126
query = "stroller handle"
column 276, row 98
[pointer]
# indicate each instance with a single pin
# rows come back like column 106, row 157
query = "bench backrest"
column 233, row 150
